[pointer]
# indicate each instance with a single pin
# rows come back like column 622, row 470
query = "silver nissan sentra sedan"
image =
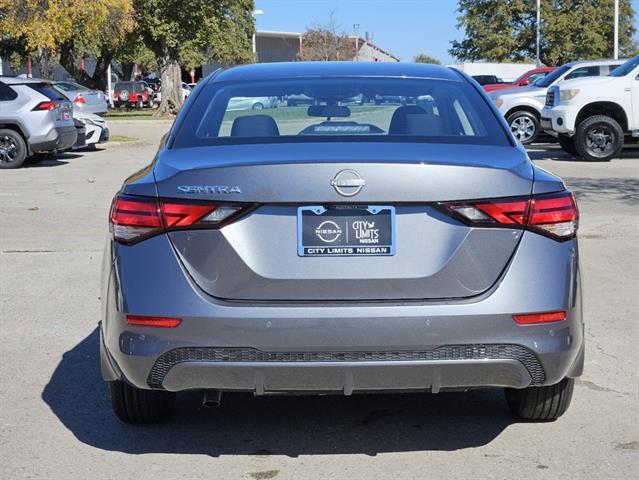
column 341, row 247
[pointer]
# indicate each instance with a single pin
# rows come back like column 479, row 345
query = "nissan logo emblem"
column 348, row 183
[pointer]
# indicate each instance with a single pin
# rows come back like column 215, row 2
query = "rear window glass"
column 340, row 109
column 69, row 86
column 47, row 90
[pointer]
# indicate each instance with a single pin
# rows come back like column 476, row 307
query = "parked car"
column 296, row 99
column 132, row 94
column 96, row 128
column 83, row 98
column 186, row 91
column 487, row 79
column 34, row 118
column 421, row 251
column 81, row 136
column 592, row 116
column 521, row 106
column 251, row 103
column 528, row 78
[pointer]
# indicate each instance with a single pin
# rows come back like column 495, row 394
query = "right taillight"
column 135, row 218
column 553, row 215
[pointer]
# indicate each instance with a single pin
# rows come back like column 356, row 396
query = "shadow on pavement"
column 624, row 190
column 275, row 425
column 553, row 152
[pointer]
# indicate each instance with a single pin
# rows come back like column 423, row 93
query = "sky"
column 404, row 28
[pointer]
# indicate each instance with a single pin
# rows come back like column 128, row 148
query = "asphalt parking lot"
column 56, row 419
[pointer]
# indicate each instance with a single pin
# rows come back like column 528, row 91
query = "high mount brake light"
column 135, row 218
column 553, row 215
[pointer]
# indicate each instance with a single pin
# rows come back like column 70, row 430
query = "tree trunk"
column 171, row 77
column 69, row 61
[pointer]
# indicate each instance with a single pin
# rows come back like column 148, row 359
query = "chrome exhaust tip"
column 212, row 398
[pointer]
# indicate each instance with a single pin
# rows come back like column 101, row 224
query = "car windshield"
column 549, row 79
column 340, row 109
column 625, row 68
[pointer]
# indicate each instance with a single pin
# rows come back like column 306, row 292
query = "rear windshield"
column 47, row 90
column 340, row 109
column 69, row 87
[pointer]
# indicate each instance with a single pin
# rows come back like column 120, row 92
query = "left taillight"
column 79, row 99
column 50, row 105
column 553, row 215
column 136, row 218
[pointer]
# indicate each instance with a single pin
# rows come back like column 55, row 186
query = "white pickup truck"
column 593, row 117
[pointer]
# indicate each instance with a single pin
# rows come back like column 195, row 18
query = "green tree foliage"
column 191, row 33
column 499, row 30
column 64, row 30
column 423, row 58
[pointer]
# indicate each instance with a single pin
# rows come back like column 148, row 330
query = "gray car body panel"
column 44, row 131
column 451, row 288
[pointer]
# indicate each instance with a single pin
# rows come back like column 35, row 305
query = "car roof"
column 263, row 71
column 22, row 80
column 589, row 63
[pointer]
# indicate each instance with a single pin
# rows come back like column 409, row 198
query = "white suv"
column 521, row 106
column 592, row 115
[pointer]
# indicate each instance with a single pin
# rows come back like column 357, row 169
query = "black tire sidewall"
column 590, row 123
column 21, row 145
column 533, row 117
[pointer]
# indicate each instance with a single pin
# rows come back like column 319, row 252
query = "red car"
column 132, row 94
column 527, row 78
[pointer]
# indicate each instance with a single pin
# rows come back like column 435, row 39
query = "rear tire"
column 134, row 405
column 599, row 138
column 13, row 149
column 139, row 105
column 541, row 404
column 567, row 144
column 524, row 125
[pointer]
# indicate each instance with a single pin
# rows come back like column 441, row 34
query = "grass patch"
column 122, row 138
column 144, row 114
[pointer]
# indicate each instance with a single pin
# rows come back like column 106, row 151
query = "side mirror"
column 523, row 83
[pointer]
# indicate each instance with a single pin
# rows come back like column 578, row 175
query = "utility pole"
column 537, row 59
column 356, row 31
column 616, row 40
column 255, row 14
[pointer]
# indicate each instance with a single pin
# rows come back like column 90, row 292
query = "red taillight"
column 545, row 317
column 553, row 215
column 79, row 99
column 47, row 105
column 135, row 218
column 165, row 322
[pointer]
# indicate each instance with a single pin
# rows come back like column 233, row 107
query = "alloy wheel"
column 523, row 128
column 8, row 149
column 600, row 141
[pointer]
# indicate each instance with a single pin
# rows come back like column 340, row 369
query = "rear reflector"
column 532, row 318
column 553, row 215
column 135, row 218
column 164, row 322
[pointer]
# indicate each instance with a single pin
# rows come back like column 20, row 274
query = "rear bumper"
column 59, row 138
column 343, row 347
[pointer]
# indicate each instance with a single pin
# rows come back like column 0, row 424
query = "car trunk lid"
column 258, row 257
